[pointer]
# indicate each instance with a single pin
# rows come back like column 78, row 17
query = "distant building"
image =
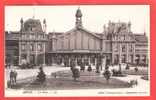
column 116, row 44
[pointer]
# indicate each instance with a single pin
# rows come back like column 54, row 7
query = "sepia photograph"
column 77, row 50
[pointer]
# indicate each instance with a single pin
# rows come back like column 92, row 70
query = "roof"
column 95, row 34
column 140, row 38
column 33, row 25
column 12, row 36
column 32, row 20
column 56, row 33
column 74, row 29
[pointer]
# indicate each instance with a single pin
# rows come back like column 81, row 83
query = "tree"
column 41, row 77
column 107, row 75
column 127, row 67
column 76, row 73
column 89, row 68
column 136, row 69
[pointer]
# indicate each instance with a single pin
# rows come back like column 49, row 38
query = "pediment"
column 80, row 30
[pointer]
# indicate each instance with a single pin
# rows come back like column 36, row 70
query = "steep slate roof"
column 140, row 38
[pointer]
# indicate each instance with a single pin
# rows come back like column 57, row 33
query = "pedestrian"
column 82, row 67
column 13, row 77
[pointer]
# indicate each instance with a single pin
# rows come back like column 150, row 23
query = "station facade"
column 116, row 44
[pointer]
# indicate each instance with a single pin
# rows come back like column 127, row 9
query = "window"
column 131, row 48
column 32, row 47
column 124, row 37
column 32, row 36
column 131, row 58
column 123, row 58
column 23, row 35
column 123, row 48
column 40, row 36
column 116, row 59
column 39, row 47
column 116, row 37
column 144, row 59
column 116, row 47
column 23, row 47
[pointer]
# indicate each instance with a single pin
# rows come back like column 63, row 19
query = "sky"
column 62, row 18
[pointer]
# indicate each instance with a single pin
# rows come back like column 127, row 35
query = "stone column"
column 120, row 53
column 82, row 59
column 62, row 59
column 89, row 60
column 28, row 52
column 95, row 61
column 103, row 62
column 141, row 58
column 51, row 59
column 44, row 54
column 36, row 53
column 127, row 54
column 76, row 61
column 19, row 58
column 134, row 53
column 112, row 54
column 69, row 62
